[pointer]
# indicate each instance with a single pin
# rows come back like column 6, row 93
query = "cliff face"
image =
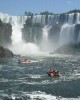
column 70, row 49
column 32, row 32
column 5, row 52
column 5, row 33
column 34, row 28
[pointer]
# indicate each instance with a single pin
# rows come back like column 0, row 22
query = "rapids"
column 31, row 82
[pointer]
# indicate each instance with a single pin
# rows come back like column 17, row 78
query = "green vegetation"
column 46, row 13
column 74, row 11
column 51, row 13
column 28, row 13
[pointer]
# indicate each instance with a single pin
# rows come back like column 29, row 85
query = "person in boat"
column 19, row 61
column 24, row 61
column 53, row 72
column 56, row 73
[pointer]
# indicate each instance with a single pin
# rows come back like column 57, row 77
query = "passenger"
column 25, row 60
column 56, row 73
column 19, row 61
column 51, row 70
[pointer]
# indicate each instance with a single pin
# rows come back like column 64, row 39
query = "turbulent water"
column 31, row 82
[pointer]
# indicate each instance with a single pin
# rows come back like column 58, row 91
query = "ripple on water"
column 35, row 95
column 35, row 76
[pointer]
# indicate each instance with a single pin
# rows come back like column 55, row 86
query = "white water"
column 67, row 34
column 23, row 48
column 39, row 19
column 18, row 45
column 78, row 18
column 45, row 40
column 45, row 32
column 70, row 19
column 43, row 96
column 17, row 25
column 17, row 22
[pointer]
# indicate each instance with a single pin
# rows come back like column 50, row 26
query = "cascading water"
column 45, row 33
column 67, row 34
column 70, row 19
column 17, row 25
column 45, row 40
column 49, row 23
column 18, row 45
column 78, row 18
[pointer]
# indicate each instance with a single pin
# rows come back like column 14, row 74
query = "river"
column 31, row 82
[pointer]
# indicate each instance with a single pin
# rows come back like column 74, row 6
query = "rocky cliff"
column 32, row 32
column 5, row 52
column 5, row 34
column 69, row 49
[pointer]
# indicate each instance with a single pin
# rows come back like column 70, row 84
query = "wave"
column 35, row 95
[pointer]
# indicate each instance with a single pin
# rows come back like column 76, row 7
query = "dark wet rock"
column 72, row 49
column 5, row 52
column 5, row 33
column 54, row 33
column 62, row 18
column 32, row 33
column 77, row 30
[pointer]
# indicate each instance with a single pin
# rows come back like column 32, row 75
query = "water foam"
column 43, row 96
column 23, row 48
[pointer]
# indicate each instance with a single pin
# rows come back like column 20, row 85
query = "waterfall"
column 17, row 24
column 70, row 18
column 51, row 26
column 36, row 19
column 45, row 40
column 18, row 45
column 78, row 18
column 45, row 33
column 67, row 34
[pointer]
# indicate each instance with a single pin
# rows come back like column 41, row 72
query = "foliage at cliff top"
column 41, row 13
column 51, row 13
column 74, row 11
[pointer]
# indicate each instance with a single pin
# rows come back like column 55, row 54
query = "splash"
column 23, row 48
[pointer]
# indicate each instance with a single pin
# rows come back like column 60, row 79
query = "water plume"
column 23, row 48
